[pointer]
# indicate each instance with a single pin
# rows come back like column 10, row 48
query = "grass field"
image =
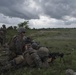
column 57, row 40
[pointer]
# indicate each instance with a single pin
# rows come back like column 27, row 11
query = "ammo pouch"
column 19, row 59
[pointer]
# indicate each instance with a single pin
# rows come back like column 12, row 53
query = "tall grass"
column 57, row 40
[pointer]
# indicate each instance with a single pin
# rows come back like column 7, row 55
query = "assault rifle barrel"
column 54, row 55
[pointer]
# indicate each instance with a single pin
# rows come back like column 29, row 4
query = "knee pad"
column 19, row 59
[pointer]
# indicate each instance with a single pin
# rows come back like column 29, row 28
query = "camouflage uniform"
column 4, row 35
column 29, row 58
column 32, row 58
column 16, row 46
column 1, row 37
column 38, row 57
column 16, row 49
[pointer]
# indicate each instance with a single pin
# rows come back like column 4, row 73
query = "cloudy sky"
column 40, row 13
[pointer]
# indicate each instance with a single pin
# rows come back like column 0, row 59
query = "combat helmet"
column 21, row 30
column 34, row 45
column 43, row 52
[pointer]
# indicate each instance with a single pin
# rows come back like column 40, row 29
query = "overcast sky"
column 40, row 13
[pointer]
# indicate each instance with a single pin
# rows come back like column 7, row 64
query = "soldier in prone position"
column 22, row 53
column 31, row 57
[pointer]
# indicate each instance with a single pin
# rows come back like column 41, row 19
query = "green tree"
column 24, row 24
column 10, row 27
column 15, row 27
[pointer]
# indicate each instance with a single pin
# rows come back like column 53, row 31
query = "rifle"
column 54, row 55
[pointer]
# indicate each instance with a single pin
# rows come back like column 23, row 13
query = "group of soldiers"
column 23, row 51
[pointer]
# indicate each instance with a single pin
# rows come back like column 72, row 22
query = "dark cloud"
column 33, row 9
column 70, row 22
column 17, row 8
column 53, row 8
column 58, row 8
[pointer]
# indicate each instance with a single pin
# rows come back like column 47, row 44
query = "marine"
column 17, row 44
column 30, row 57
